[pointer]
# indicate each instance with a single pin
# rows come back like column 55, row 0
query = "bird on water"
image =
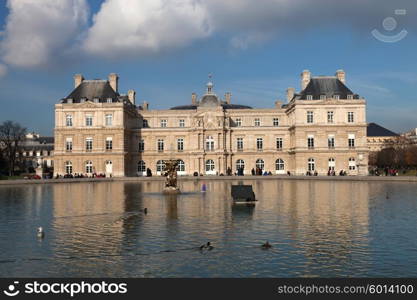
column 267, row 245
column 41, row 233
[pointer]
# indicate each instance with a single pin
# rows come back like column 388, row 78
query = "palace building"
column 322, row 127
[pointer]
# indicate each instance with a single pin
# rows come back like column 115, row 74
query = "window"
column 89, row 144
column 141, row 166
column 351, row 140
column 160, row 145
column 209, row 143
column 145, row 123
column 310, row 117
column 257, row 122
column 89, row 120
column 350, row 117
column 109, row 143
column 239, row 142
column 238, row 122
column 180, row 145
column 181, row 166
column 310, row 142
column 279, row 143
column 89, row 167
column 330, row 141
column 275, row 122
column 209, row 165
column 240, row 164
column 182, row 123
column 260, row 164
column 309, row 97
column 68, row 144
column 322, row 97
column 109, row 100
column 109, row 119
column 163, row 123
column 68, row 167
column 68, row 120
column 336, row 97
column 311, row 164
column 350, row 97
column 332, row 164
column 330, row 115
column 160, row 166
column 259, row 144
column 352, row 164
column 96, row 100
column 141, row 147
column 279, row 165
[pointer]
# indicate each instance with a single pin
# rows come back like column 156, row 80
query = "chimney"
column 341, row 75
column 290, row 93
column 145, row 105
column 228, row 97
column 194, row 99
column 131, row 95
column 78, row 78
column 114, row 81
column 278, row 103
column 305, row 79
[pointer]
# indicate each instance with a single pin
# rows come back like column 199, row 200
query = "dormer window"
column 322, row 97
column 82, row 100
column 69, row 100
column 350, row 97
column 96, row 100
column 309, row 97
column 109, row 100
column 337, row 97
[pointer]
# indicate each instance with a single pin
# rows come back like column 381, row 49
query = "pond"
column 316, row 229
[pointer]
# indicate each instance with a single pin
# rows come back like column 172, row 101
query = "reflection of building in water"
column 325, row 219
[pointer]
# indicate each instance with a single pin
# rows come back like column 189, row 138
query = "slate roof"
column 374, row 129
column 90, row 89
column 325, row 85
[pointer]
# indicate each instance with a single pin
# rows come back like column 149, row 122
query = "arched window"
column 209, row 143
column 209, row 165
column 332, row 164
column 160, row 166
column 311, row 164
column 141, row 166
column 352, row 163
column 240, row 164
column 68, row 167
column 181, row 166
column 89, row 167
column 260, row 164
column 279, row 165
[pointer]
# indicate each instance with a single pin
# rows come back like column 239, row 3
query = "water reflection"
column 317, row 228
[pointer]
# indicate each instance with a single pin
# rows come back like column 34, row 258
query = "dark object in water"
column 267, row 245
column 243, row 193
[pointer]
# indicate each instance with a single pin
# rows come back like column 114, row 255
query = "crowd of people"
column 386, row 171
column 80, row 175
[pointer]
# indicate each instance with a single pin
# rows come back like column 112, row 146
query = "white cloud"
column 38, row 31
column 3, row 70
column 132, row 27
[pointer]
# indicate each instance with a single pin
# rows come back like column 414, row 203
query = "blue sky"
column 165, row 49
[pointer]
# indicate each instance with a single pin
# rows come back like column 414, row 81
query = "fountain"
column 171, row 187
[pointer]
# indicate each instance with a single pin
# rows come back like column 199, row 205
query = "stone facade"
column 326, row 129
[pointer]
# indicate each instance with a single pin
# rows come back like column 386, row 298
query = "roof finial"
column 210, row 84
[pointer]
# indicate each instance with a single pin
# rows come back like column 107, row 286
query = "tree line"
column 11, row 137
column 400, row 153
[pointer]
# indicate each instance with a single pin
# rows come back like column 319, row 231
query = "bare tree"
column 11, row 134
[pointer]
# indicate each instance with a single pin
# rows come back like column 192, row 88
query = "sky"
column 165, row 49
